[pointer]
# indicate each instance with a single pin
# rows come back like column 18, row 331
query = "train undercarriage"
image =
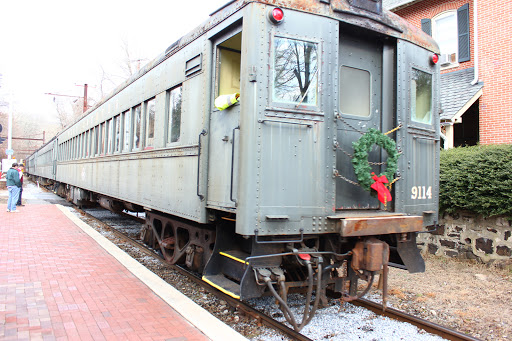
column 246, row 267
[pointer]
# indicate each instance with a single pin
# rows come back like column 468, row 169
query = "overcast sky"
column 51, row 46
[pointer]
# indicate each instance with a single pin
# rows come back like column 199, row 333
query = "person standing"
column 20, row 171
column 13, row 186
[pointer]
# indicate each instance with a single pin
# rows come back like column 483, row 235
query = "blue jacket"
column 13, row 178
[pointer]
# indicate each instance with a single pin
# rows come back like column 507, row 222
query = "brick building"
column 476, row 76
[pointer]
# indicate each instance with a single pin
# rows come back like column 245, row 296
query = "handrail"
column 202, row 133
column 309, row 125
column 233, row 166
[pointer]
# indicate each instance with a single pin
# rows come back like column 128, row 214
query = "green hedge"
column 477, row 179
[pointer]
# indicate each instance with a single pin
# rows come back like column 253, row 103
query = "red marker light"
column 276, row 15
column 435, row 58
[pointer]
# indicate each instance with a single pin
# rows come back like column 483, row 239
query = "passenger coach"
column 280, row 145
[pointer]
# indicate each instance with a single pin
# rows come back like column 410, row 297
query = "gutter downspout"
column 475, row 25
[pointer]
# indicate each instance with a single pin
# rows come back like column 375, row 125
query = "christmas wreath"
column 362, row 168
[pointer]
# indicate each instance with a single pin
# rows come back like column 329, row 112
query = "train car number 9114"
column 421, row 192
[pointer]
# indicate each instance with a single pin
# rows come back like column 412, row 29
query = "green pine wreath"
column 362, row 146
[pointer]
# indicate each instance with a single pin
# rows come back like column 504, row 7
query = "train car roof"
column 367, row 14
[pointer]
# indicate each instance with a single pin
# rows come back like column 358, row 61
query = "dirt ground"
column 463, row 295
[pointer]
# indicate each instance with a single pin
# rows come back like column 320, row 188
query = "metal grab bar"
column 309, row 125
column 203, row 133
column 233, row 166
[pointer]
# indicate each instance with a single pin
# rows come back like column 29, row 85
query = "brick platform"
column 56, row 282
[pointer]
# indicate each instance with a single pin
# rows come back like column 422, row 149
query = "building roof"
column 457, row 93
column 393, row 5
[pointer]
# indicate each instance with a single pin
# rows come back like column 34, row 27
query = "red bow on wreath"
column 382, row 192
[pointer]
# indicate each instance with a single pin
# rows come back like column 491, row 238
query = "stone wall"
column 470, row 236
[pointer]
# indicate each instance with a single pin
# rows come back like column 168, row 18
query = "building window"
column 451, row 31
column 174, row 127
column 445, row 32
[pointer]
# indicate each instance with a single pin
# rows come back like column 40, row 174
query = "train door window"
column 174, row 123
column 355, row 91
column 117, row 133
column 137, row 127
column 228, row 65
column 127, row 119
column 150, row 123
column 295, row 71
column 421, row 97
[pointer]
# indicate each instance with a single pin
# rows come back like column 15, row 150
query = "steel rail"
column 246, row 309
column 428, row 326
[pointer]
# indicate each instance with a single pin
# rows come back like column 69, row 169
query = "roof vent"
column 374, row 6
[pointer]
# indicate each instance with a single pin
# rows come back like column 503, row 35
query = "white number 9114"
column 421, row 192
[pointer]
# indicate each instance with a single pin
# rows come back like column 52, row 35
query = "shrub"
column 478, row 179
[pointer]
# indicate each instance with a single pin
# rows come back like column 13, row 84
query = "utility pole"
column 86, row 86
column 85, row 96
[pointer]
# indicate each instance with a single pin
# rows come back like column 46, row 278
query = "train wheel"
column 168, row 243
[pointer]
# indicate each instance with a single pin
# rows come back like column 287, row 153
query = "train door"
column 419, row 138
column 224, row 124
column 360, row 108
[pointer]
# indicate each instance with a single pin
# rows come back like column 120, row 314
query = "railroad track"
column 262, row 318
column 430, row 327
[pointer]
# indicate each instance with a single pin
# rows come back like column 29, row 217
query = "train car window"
column 110, row 134
column 137, row 120
column 150, row 123
column 174, row 127
column 355, row 91
column 229, row 57
column 126, row 136
column 79, row 147
column 295, row 71
column 96, row 140
column 91, row 144
column 85, row 151
column 117, row 130
column 101, row 148
column 421, row 97
column 75, row 148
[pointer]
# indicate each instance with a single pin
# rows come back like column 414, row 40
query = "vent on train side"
column 172, row 47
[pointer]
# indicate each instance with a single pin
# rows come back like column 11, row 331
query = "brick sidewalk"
column 57, row 283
